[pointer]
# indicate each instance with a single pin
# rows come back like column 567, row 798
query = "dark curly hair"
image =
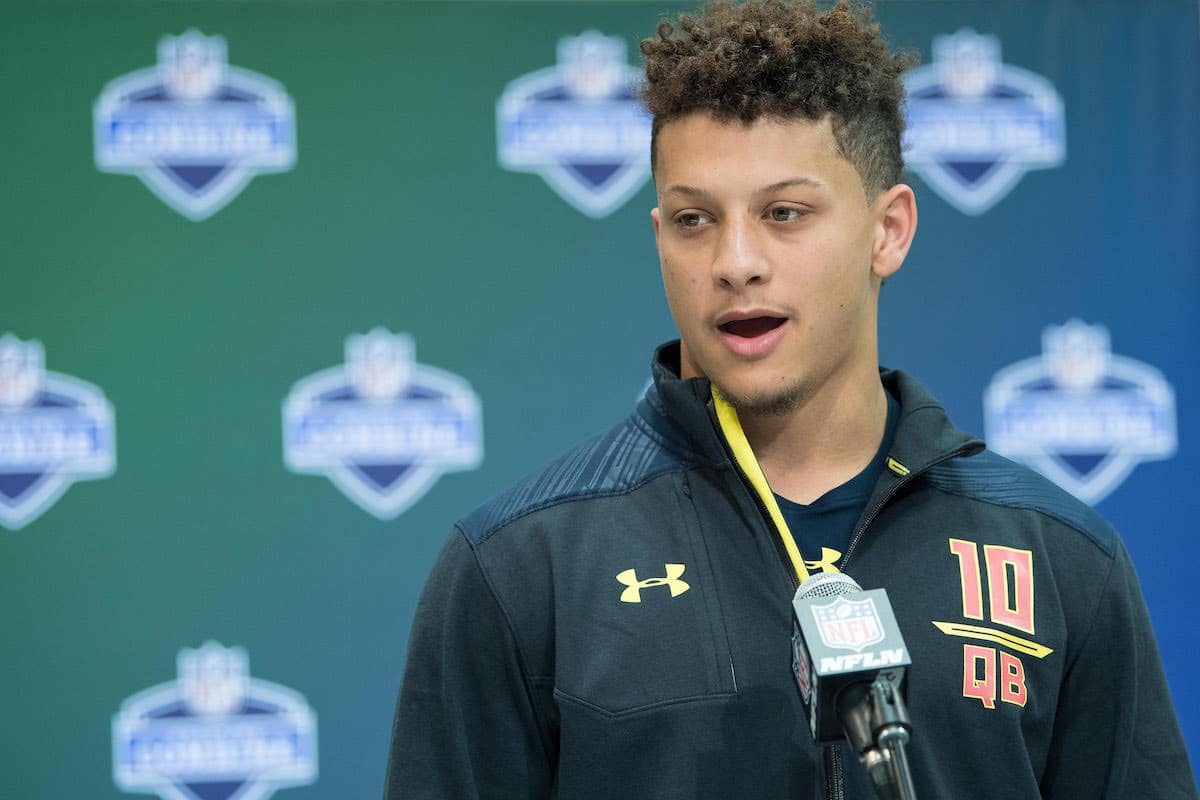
column 771, row 58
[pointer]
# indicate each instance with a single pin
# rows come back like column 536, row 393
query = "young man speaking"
column 620, row 624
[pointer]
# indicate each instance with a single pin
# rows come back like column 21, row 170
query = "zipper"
column 883, row 501
column 776, row 542
column 834, row 788
column 834, row 779
column 764, row 515
column 834, row 783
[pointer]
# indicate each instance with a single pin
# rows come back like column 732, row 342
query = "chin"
column 761, row 401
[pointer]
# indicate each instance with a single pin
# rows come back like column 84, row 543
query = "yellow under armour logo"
column 826, row 563
column 633, row 594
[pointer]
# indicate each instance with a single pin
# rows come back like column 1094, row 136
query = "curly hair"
column 771, row 58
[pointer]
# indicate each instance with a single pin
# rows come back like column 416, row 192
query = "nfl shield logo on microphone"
column 849, row 624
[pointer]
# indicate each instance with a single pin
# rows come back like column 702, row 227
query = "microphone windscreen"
column 827, row 584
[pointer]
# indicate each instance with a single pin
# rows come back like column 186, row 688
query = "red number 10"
column 1009, row 581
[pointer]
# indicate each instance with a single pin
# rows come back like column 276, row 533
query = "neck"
column 826, row 440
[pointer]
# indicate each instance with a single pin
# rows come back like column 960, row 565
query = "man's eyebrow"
column 693, row 191
column 684, row 189
column 790, row 182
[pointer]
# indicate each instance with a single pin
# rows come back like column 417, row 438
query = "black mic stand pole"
column 878, row 727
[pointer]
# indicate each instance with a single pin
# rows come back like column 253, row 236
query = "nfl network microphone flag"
column 840, row 639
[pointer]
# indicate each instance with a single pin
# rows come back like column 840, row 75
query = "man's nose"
column 739, row 261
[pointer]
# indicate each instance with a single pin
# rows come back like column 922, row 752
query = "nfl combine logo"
column 849, row 624
column 215, row 733
column 194, row 129
column 975, row 125
column 1080, row 415
column 54, row 430
column 579, row 125
column 382, row 427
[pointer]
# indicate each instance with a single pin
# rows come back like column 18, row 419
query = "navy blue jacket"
column 619, row 626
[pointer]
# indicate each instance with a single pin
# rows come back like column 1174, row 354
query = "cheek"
column 844, row 274
column 680, row 283
column 682, row 290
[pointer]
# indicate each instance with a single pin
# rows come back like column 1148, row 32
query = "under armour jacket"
column 619, row 626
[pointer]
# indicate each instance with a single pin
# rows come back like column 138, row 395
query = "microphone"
column 849, row 661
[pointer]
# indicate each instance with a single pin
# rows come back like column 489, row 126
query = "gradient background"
column 396, row 214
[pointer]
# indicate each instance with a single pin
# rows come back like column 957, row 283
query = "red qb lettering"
column 983, row 688
column 1012, row 685
column 980, row 676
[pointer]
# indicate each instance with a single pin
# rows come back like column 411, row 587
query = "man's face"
column 769, row 255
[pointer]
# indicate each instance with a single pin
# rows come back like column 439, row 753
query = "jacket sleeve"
column 465, row 724
column 1115, row 732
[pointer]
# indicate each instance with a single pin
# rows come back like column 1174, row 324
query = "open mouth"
column 751, row 328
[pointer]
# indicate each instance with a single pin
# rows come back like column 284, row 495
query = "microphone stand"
column 878, row 728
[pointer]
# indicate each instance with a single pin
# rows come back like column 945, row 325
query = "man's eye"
column 689, row 220
column 785, row 213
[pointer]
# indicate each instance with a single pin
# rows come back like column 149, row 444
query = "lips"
column 751, row 334
column 753, row 327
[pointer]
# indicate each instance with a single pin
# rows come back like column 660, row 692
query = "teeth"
column 753, row 327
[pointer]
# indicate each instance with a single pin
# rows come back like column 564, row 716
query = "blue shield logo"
column 579, row 125
column 193, row 128
column 215, row 733
column 54, row 430
column 382, row 427
column 976, row 125
column 1080, row 415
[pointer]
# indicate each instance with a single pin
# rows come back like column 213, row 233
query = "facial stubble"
column 764, row 404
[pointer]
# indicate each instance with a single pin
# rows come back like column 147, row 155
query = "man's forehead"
column 799, row 181
column 700, row 140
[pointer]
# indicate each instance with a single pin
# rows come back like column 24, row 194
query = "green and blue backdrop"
column 290, row 286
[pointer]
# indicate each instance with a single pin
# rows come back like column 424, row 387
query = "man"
column 619, row 625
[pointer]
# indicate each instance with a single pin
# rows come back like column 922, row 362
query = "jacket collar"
column 924, row 435
column 680, row 411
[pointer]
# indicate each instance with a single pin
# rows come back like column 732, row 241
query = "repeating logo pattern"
column 579, row 124
column 215, row 733
column 382, row 427
column 976, row 125
column 849, row 624
column 1080, row 415
column 193, row 128
column 54, row 430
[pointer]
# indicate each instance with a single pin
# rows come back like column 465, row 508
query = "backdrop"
column 288, row 287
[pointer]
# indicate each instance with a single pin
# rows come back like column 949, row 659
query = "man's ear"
column 895, row 226
column 654, row 218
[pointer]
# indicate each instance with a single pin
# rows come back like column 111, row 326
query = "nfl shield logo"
column 1079, row 414
column 215, row 733
column 54, row 430
column 579, row 125
column 193, row 128
column 382, row 427
column 975, row 125
column 849, row 624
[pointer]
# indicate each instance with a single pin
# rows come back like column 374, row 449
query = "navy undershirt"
column 829, row 520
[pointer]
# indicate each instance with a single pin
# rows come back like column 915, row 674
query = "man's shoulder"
column 618, row 461
column 991, row 478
